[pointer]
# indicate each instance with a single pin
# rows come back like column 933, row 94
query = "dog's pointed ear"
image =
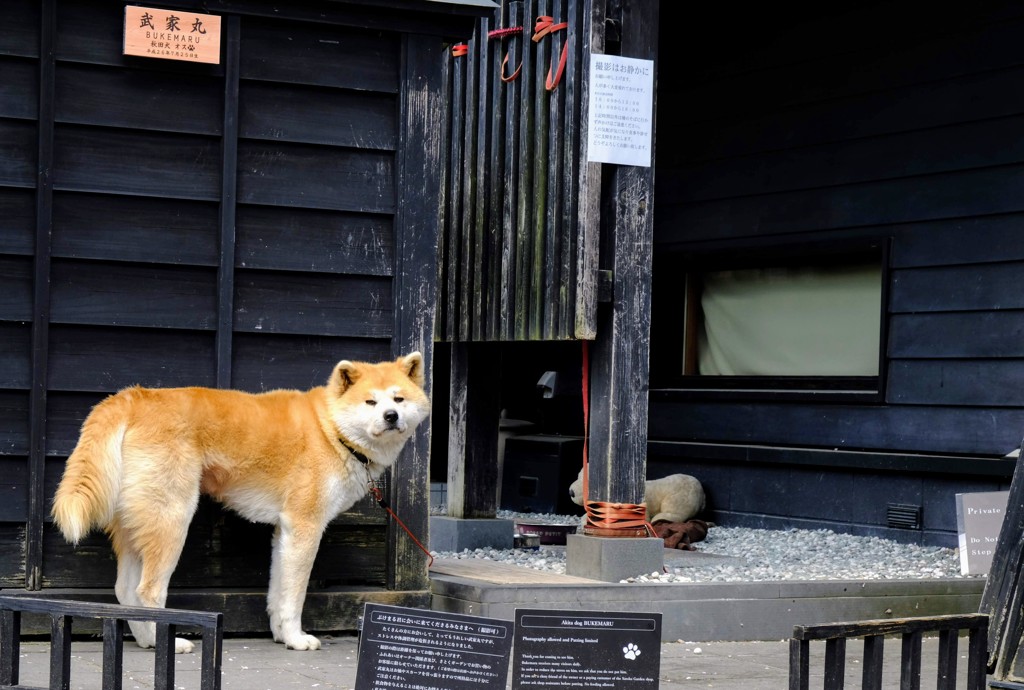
column 344, row 375
column 412, row 365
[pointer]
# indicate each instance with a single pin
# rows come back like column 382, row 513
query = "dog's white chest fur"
column 343, row 491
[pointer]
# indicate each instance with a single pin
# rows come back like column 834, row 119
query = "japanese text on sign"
column 171, row 34
column 621, row 114
column 408, row 649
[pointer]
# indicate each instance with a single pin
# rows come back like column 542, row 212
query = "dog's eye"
column 371, row 402
column 399, row 398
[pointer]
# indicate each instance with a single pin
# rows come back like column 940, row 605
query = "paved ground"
column 257, row 664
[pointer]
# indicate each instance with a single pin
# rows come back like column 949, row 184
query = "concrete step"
column 722, row 611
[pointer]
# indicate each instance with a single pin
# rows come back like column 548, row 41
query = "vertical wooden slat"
column 835, row 663
column 113, row 653
column 946, row 671
column 454, row 209
column 422, row 115
column 37, row 503
column 496, row 175
column 163, row 657
column 229, row 184
column 525, row 204
column 444, row 170
column 874, row 647
column 468, row 257
column 554, row 286
column 480, row 169
column 588, row 211
column 60, row 652
column 538, row 203
column 977, row 658
column 513, row 95
column 799, row 664
column 573, row 161
column 213, row 642
column 910, row 662
column 10, row 646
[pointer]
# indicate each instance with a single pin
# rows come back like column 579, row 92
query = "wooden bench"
column 62, row 612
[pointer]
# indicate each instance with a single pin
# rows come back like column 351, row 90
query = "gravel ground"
column 759, row 555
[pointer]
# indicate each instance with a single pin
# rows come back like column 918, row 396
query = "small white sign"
column 979, row 516
column 621, row 114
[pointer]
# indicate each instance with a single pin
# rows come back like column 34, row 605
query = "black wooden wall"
column 887, row 120
column 236, row 225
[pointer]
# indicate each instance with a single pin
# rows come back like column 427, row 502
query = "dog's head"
column 378, row 406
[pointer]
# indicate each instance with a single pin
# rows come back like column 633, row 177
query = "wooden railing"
column 62, row 612
column 874, row 632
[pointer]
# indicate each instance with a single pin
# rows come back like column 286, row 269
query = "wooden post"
column 621, row 352
column 473, row 431
column 417, row 226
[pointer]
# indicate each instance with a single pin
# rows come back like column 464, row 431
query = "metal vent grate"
column 903, row 516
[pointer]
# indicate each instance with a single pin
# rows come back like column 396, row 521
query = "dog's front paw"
column 302, row 642
column 183, row 646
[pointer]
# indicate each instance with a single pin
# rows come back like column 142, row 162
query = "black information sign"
column 586, row 649
column 411, row 649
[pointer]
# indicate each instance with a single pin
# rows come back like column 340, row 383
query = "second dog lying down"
column 675, row 498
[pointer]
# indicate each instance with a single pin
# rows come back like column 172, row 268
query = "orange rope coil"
column 606, row 519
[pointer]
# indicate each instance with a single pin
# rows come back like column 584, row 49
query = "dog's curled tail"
column 87, row 494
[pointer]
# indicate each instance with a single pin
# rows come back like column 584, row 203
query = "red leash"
column 379, row 496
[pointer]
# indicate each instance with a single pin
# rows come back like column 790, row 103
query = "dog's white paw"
column 183, row 646
column 302, row 642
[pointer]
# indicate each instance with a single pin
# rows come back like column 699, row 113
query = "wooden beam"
column 417, row 225
column 621, row 353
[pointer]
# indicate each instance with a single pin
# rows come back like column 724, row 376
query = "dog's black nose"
column 390, row 416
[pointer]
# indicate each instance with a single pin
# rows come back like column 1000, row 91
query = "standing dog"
column 293, row 459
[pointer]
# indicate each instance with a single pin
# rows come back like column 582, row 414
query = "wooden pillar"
column 417, row 226
column 473, row 431
column 621, row 352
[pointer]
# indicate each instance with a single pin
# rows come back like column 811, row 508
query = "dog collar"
column 361, row 457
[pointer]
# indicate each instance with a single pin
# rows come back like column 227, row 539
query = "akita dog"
column 293, row 459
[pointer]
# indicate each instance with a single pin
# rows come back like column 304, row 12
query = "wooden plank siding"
column 908, row 132
column 518, row 261
column 241, row 225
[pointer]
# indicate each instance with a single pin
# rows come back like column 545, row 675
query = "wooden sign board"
column 979, row 517
column 586, row 649
column 403, row 648
column 171, row 34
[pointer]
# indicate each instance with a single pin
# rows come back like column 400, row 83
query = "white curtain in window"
column 803, row 321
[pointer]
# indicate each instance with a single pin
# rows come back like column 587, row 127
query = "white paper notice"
column 620, row 120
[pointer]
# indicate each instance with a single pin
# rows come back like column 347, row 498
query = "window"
column 805, row 319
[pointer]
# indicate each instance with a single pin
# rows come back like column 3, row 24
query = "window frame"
column 673, row 340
